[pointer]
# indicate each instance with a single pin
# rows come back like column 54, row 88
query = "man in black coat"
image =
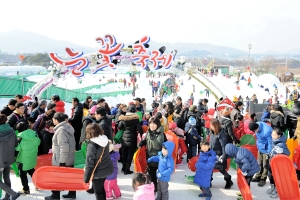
column 291, row 119
column 76, row 120
column 104, row 122
column 8, row 110
column 17, row 116
column 39, row 110
column 138, row 105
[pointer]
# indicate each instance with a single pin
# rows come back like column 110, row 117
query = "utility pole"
column 249, row 47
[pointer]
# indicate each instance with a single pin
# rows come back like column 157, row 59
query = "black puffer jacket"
column 6, row 111
column 179, row 121
column 277, row 120
column 184, row 115
column 85, row 121
column 76, row 120
column 105, row 124
column 227, row 125
column 201, row 109
column 291, row 120
column 218, row 142
column 95, row 147
column 131, row 125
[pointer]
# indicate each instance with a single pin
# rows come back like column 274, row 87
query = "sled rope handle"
column 92, row 176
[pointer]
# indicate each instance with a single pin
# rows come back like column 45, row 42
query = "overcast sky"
column 266, row 24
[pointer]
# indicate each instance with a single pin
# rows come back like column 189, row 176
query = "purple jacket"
column 114, row 156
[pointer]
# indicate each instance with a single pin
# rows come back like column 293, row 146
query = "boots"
column 262, row 182
column 270, row 190
column 229, row 183
column 256, row 179
column 127, row 169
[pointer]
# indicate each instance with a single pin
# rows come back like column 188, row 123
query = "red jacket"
column 296, row 158
column 60, row 106
column 246, row 127
column 239, row 131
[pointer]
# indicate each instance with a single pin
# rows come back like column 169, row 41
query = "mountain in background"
column 196, row 53
column 19, row 41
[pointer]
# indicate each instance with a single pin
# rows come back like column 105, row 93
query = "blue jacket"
column 264, row 138
column 205, row 166
column 114, row 156
column 265, row 116
column 244, row 158
column 279, row 147
column 165, row 163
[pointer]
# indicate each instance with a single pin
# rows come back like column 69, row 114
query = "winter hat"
column 226, row 111
column 51, row 106
column 192, row 108
column 253, row 126
column 93, row 110
column 172, row 125
column 186, row 103
column 132, row 108
column 192, row 121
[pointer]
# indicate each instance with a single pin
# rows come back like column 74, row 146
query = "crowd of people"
column 40, row 128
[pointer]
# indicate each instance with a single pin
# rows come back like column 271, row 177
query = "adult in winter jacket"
column 178, row 119
column 63, row 149
column 227, row 125
column 9, row 109
column 154, row 140
column 89, row 103
column 204, row 167
column 264, row 144
column 42, row 130
column 244, row 159
column 139, row 105
column 17, row 116
column 131, row 125
column 8, row 142
column 28, row 151
column 185, row 110
column 165, row 169
column 104, row 122
column 91, row 118
column 218, row 141
column 97, row 148
column 76, row 120
column 39, row 110
column 291, row 119
column 163, row 121
column 60, row 105
column 202, row 107
column 236, row 111
column 169, row 108
column 277, row 118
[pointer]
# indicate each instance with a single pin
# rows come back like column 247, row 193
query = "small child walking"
column 165, row 169
column 193, row 138
column 143, row 187
column 28, row 151
column 204, row 167
column 111, row 185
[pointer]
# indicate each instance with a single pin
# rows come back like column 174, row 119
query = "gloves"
column 62, row 164
column 158, row 175
column 295, row 165
column 221, row 159
column 244, row 173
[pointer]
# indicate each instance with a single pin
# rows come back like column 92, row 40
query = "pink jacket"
column 144, row 192
column 178, row 131
column 246, row 127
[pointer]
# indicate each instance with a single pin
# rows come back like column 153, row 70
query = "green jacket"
column 28, row 149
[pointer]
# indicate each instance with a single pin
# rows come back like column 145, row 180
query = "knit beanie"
column 253, row 126
column 192, row 108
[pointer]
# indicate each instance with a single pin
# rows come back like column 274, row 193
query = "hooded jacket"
column 277, row 120
column 28, row 149
column 204, row 168
column 243, row 158
column 132, row 126
column 227, row 125
column 291, row 120
column 154, row 141
column 94, row 150
column 279, row 147
column 63, row 145
column 8, row 142
column 165, row 163
column 60, row 106
column 114, row 156
column 192, row 136
column 144, row 192
column 264, row 138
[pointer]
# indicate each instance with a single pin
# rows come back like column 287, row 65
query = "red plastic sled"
column 285, row 178
column 58, row 178
column 173, row 138
column 252, row 148
column 44, row 160
column 243, row 185
column 193, row 161
column 139, row 160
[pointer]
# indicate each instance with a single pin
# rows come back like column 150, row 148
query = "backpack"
column 19, row 120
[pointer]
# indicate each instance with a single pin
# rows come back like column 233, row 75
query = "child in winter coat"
column 143, row 187
column 165, row 169
column 244, row 159
column 239, row 131
column 193, row 138
column 205, row 166
column 278, row 147
column 28, row 151
column 182, row 147
column 111, row 187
